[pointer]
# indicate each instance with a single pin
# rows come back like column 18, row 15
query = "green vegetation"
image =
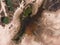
column 28, row 11
column 10, row 5
column 5, row 20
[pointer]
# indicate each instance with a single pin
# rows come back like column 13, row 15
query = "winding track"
column 8, row 32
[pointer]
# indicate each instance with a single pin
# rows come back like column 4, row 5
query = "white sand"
column 7, row 34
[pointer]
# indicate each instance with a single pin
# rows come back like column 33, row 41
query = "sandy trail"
column 9, row 31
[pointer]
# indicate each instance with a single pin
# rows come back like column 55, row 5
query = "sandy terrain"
column 9, row 30
column 48, row 26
